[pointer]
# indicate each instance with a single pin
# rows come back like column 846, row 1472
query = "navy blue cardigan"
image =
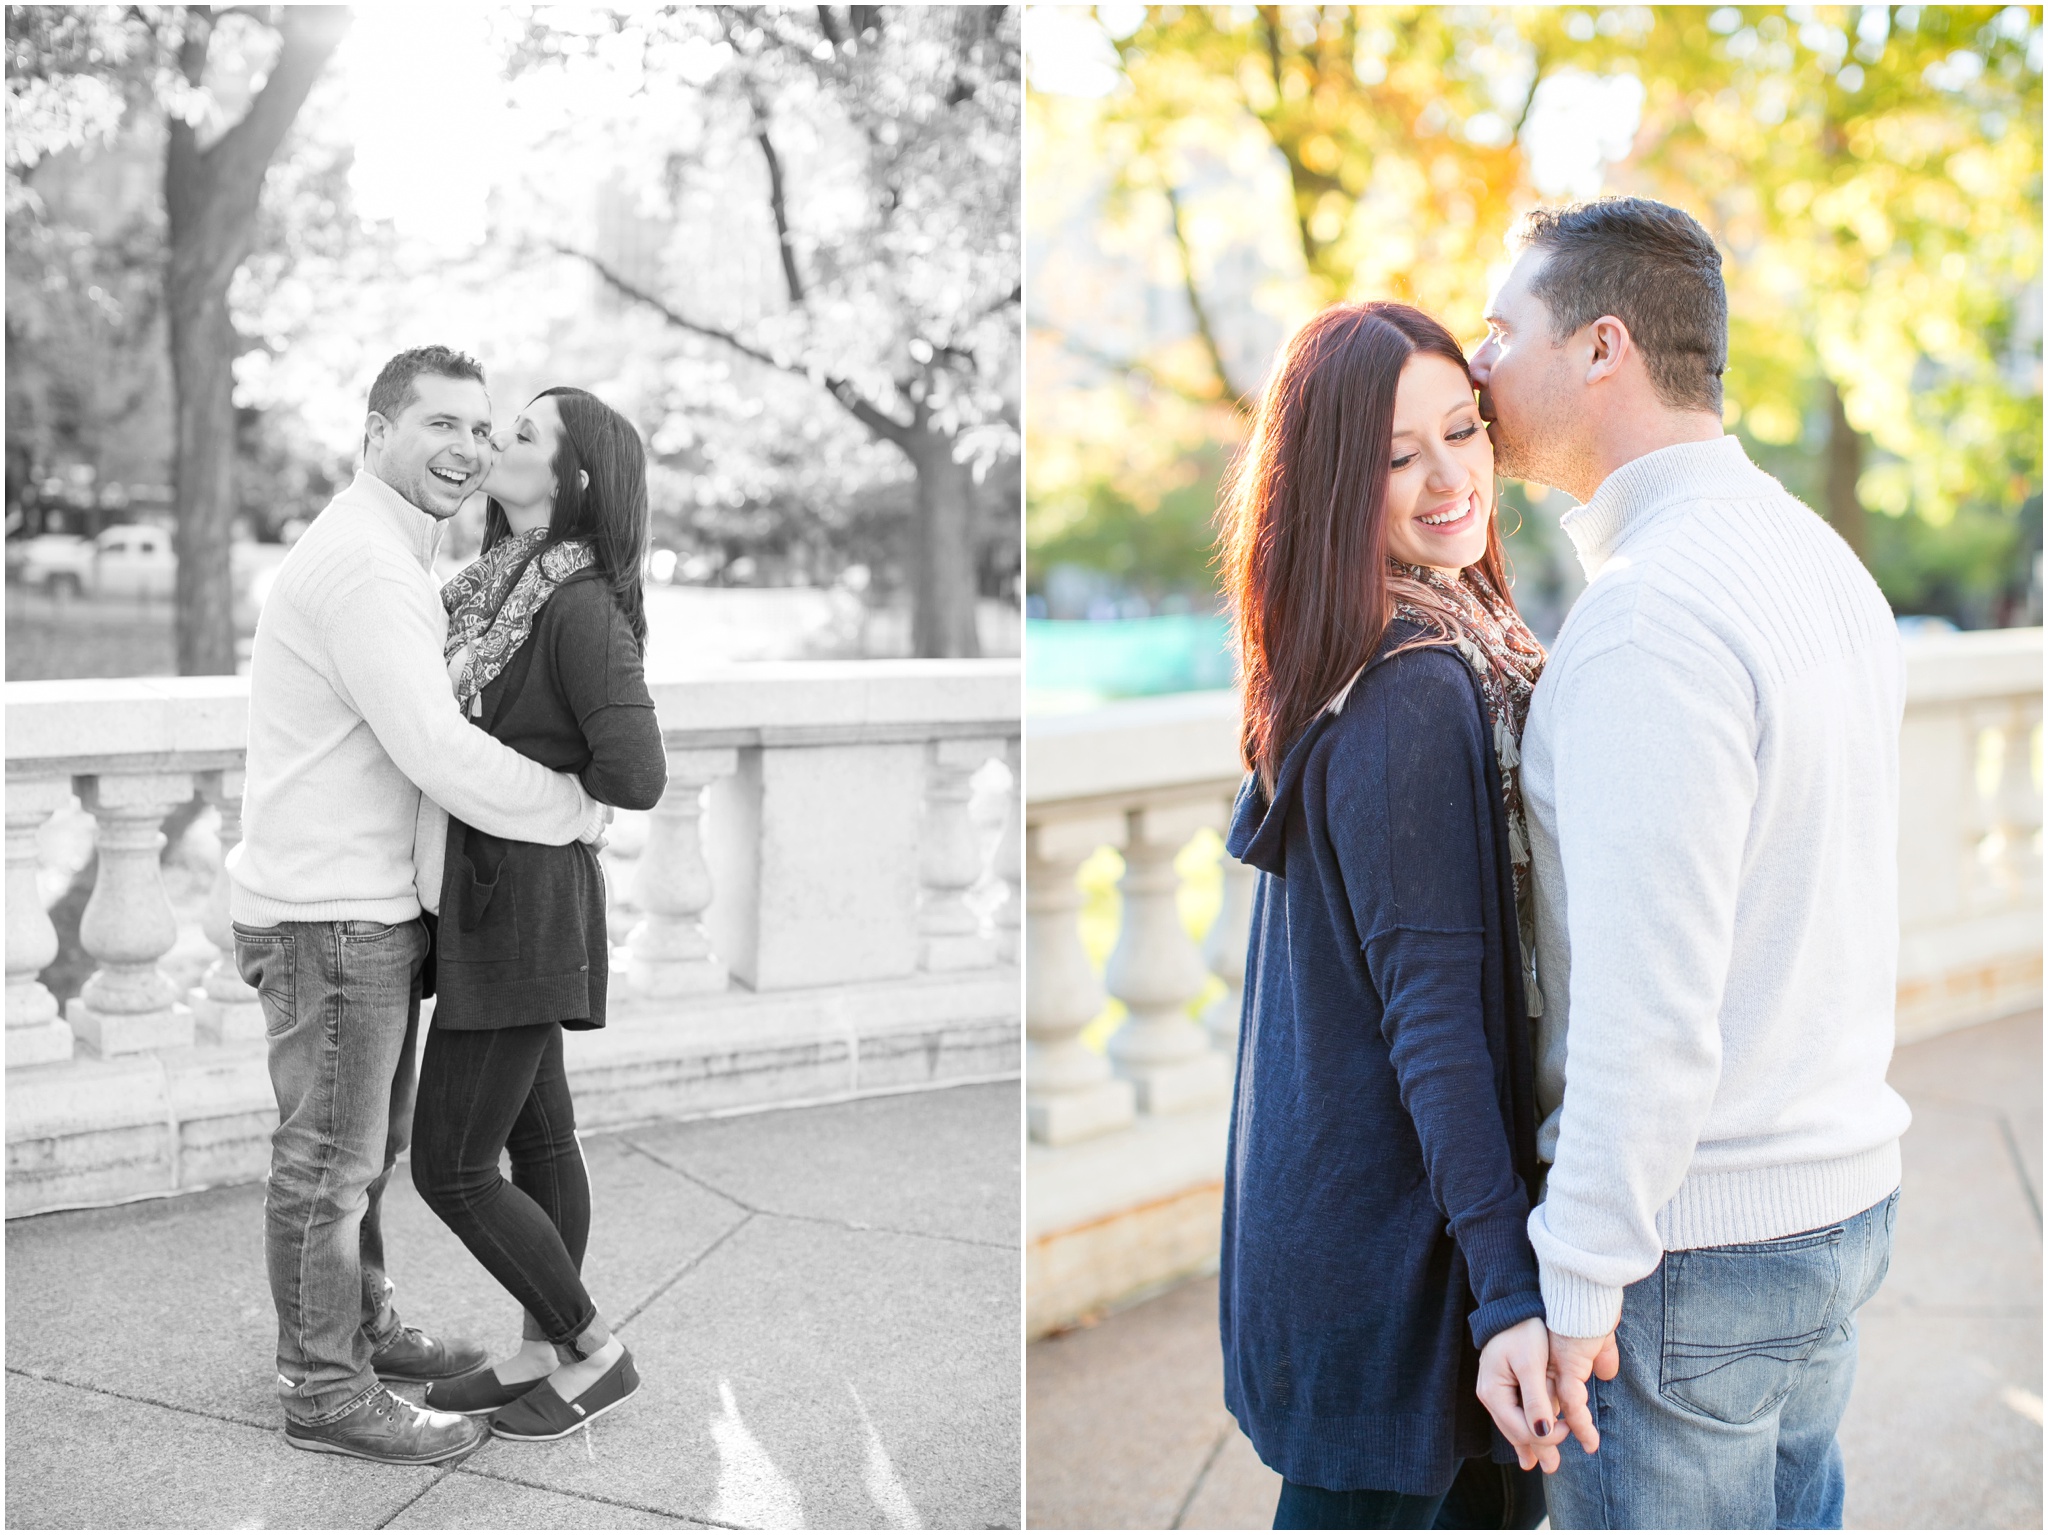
column 1382, row 1142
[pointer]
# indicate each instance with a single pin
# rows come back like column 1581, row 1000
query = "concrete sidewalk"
column 1127, row 1428
column 823, row 1304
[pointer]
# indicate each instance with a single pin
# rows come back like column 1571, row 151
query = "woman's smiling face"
column 1440, row 479
column 523, row 478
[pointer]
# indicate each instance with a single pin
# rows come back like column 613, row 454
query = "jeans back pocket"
column 267, row 959
column 1739, row 1321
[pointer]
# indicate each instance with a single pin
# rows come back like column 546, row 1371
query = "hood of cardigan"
column 1258, row 824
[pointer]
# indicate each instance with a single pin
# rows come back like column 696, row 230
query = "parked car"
column 133, row 561
column 56, row 562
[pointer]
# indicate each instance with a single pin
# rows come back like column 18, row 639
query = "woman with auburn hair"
column 546, row 632
column 1377, row 1280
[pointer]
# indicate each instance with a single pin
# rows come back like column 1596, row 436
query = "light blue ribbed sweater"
column 1710, row 770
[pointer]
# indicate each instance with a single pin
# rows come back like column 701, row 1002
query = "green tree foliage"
column 1872, row 173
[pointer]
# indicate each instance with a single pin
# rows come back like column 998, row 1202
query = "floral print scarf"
column 492, row 604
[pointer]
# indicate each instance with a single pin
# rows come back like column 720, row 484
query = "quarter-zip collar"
column 1718, row 469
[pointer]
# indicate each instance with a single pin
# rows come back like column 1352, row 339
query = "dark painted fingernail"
column 1542, row 1427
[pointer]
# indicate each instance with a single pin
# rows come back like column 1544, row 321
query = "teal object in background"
column 1074, row 659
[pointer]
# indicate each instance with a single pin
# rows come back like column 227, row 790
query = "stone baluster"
column 1987, row 727
column 224, row 1006
column 2019, row 808
column 1069, row 1090
column 620, row 859
column 1156, row 971
column 949, row 859
column 1224, row 950
column 129, row 1005
column 1009, row 859
column 668, row 953
column 35, row 1032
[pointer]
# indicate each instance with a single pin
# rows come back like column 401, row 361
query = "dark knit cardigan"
column 1382, row 1142
column 521, row 936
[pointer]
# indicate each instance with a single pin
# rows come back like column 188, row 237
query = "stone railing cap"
column 134, row 717
column 1139, row 743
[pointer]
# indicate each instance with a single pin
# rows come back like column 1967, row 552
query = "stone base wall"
column 88, row 1131
column 1111, row 1219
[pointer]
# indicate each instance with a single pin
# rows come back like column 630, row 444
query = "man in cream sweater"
column 351, row 719
column 1711, row 774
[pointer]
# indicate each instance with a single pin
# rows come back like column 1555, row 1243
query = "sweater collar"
column 420, row 533
column 1686, row 471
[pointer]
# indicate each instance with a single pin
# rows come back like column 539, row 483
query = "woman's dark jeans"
column 483, row 1091
column 1485, row 1496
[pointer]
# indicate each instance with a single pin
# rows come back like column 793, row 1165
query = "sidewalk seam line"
column 1201, row 1476
column 445, row 1473
column 823, row 1220
column 894, row 1231
column 685, row 1173
column 143, row 1401
column 677, row 1277
column 591, row 1497
column 2019, row 1166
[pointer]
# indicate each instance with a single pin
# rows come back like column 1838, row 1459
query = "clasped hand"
column 1533, row 1382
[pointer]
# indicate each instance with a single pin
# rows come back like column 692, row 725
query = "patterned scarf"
column 1482, row 624
column 492, row 603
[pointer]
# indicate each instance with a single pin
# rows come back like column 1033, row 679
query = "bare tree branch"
column 862, row 410
column 1529, row 101
column 1203, row 328
column 1130, row 367
column 778, row 203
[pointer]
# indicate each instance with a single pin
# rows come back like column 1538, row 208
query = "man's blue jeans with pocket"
column 341, row 1006
column 1736, row 1364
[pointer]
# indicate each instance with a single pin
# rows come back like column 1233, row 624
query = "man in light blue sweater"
column 351, row 718
column 1710, row 770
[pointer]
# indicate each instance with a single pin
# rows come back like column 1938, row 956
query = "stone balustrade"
column 823, row 904
column 1124, row 1170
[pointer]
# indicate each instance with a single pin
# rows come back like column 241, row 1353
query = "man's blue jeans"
column 341, row 1005
column 1736, row 1364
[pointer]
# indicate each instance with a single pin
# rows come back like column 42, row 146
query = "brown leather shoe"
column 390, row 1429
column 412, row 1356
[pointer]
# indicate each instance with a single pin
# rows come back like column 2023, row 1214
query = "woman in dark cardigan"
column 545, row 637
column 1377, row 1278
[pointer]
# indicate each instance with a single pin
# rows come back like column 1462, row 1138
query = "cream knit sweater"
column 351, row 717
column 1710, row 769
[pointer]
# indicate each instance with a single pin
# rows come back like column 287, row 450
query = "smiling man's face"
column 437, row 451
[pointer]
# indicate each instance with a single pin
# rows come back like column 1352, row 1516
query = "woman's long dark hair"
column 1304, row 519
column 611, row 511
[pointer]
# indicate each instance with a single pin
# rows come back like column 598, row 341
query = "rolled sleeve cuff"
column 1503, row 1273
column 1578, row 1307
column 1497, row 1316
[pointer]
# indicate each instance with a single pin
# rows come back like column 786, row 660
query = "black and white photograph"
column 513, row 709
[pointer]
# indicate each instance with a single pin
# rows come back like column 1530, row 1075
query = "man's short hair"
column 394, row 388
column 1654, row 269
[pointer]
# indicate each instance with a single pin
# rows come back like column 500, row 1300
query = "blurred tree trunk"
column 1844, row 469
column 943, row 583
column 211, row 196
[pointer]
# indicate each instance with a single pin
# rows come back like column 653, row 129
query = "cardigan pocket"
column 485, row 925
